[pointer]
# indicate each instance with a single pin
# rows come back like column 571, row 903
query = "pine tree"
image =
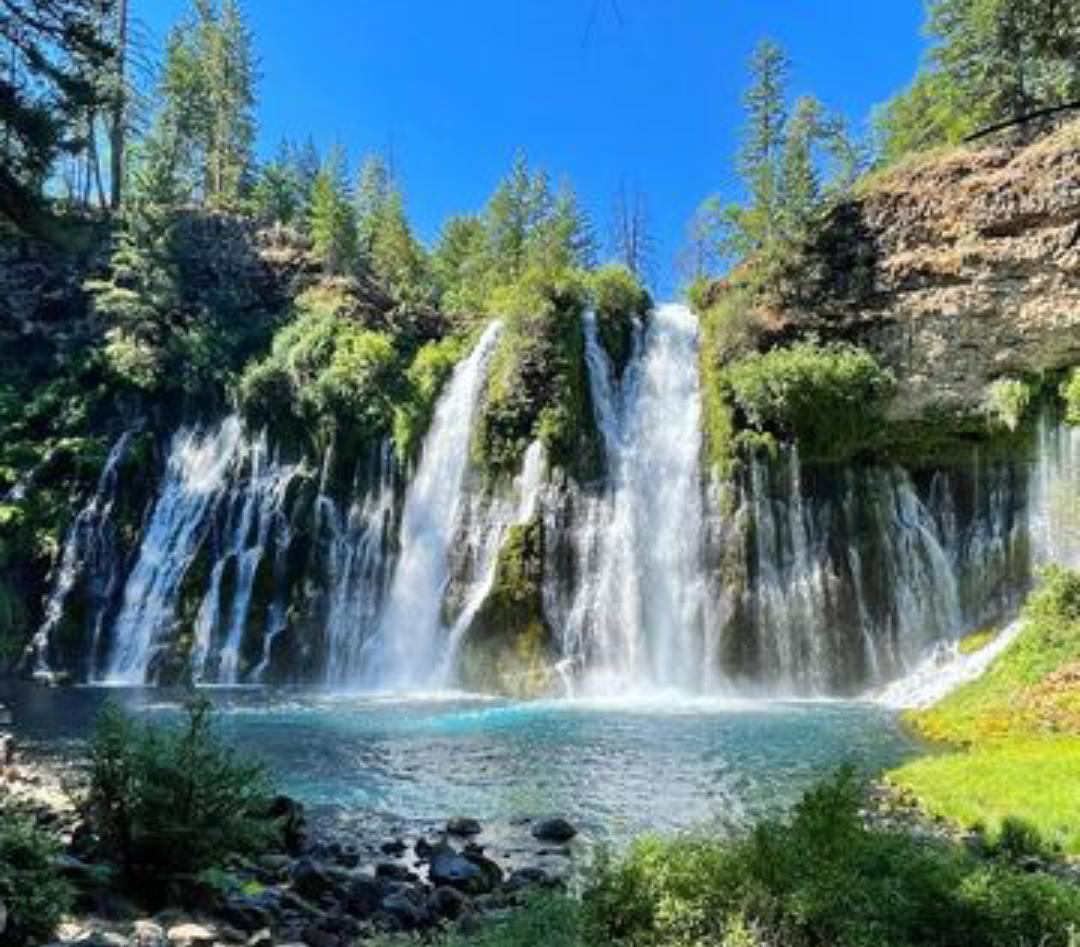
column 374, row 192
column 397, row 260
column 332, row 217
column 507, row 221
column 799, row 191
column 459, row 265
column 763, row 143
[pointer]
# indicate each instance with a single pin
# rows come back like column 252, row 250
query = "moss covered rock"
column 509, row 647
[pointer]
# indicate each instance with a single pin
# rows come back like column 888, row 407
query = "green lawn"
column 1015, row 731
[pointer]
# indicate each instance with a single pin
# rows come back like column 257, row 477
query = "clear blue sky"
column 646, row 90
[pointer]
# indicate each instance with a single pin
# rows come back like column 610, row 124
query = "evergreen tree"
column 631, row 233
column 459, row 265
column 508, row 219
column 374, row 192
column 799, row 192
column 397, row 260
column 55, row 49
column 332, row 217
column 564, row 235
column 140, row 302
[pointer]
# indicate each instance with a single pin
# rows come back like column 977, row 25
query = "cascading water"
column 254, row 521
column 405, row 650
column 635, row 617
column 196, row 475
column 357, row 567
column 88, row 550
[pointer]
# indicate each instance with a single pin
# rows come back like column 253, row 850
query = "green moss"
column 1009, row 400
column 430, row 369
column 508, row 647
column 620, row 303
column 1070, row 395
column 537, row 385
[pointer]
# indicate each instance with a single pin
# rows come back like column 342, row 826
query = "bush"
column 166, row 800
column 829, row 398
column 1008, row 401
column 430, row 369
column 821, row 877
column 31, row 890
column 1070, row 394
column 619, row 301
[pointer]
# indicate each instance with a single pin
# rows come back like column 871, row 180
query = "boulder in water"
column 463, row 827
column 451, row 869
column 554, row 830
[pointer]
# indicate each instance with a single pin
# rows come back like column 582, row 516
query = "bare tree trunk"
column 119, row 110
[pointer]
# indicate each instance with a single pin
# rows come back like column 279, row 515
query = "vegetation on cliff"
column 1015, row 731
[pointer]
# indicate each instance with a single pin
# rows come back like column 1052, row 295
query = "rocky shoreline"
column 320, row 889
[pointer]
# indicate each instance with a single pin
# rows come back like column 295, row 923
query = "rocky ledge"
column 954, row 269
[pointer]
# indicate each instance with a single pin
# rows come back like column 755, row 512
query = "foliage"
column 619, row 301
column 1018, row 726
column 1070, row 394
column 820, row 876
column 31, row 890
column 830, row 398
column 1008, row 402
column 537, row 387
column 326, row 375
column 332, row 217
column 431, row 367
column 991, row 61
column 207, row 102
column 174, row 800
column 55, row 50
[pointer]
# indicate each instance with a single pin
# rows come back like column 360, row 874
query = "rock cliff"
column 955, row 270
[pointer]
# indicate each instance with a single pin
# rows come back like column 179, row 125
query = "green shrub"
column 165, row 800
column 619, row 300
column 430, row 369
column 31, row 890
column 1008, row 401
column 821, row 876
column 1070, row 394
column 831, row 399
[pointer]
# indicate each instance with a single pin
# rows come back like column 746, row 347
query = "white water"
column 85, row 549
column 254, row 519
column 488, row 524
column 406, row 648
column 635, row 619
column 195, row 477
column 357, row 568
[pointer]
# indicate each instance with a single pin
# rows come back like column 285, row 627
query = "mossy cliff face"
column 509, row 647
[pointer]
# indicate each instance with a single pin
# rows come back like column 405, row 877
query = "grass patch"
column 977, row 640
column 1034, row 780
column 1017, row 729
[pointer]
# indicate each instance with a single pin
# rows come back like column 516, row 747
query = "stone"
column 490, row 868
column 405, row 912
column 147, row 933
column 554, row 830
column 363, row 894
column 261, row 938
column 250, row 913
column 423, row 848
column 395, row 849
column 191, row 935
column 391, row 871
column 311, row 880
column 526, row 877
column 293, row 820
column 463, row 827
column 448, row 868
column 448, row 903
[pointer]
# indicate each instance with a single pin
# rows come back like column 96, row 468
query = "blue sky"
column 643, row 90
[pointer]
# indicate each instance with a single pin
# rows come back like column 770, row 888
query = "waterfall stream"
column 87, row 550
column 196, row 474
column 406, row 647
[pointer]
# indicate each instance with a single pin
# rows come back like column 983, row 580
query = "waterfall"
column 357, row 566
column 404, row 651
column 253, row 521
column 1055, row 494
column 636, row 615
column 88, row 550
column 484, row 530
column 196, row 475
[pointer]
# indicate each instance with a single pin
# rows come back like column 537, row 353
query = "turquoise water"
column 616, row 768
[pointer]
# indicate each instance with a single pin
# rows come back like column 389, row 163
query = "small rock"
column 448, row 903
column 290, row 814
column 147, row 933
column 450, row 869
column 310, row 879
column 423, row 848
column 406, row 913
column 363, row 895
column 396, row 848
column 191, row 935
column 463, row 827
column 526, row 877
column 553, row 830
column 391, row 871
column 263, row 938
